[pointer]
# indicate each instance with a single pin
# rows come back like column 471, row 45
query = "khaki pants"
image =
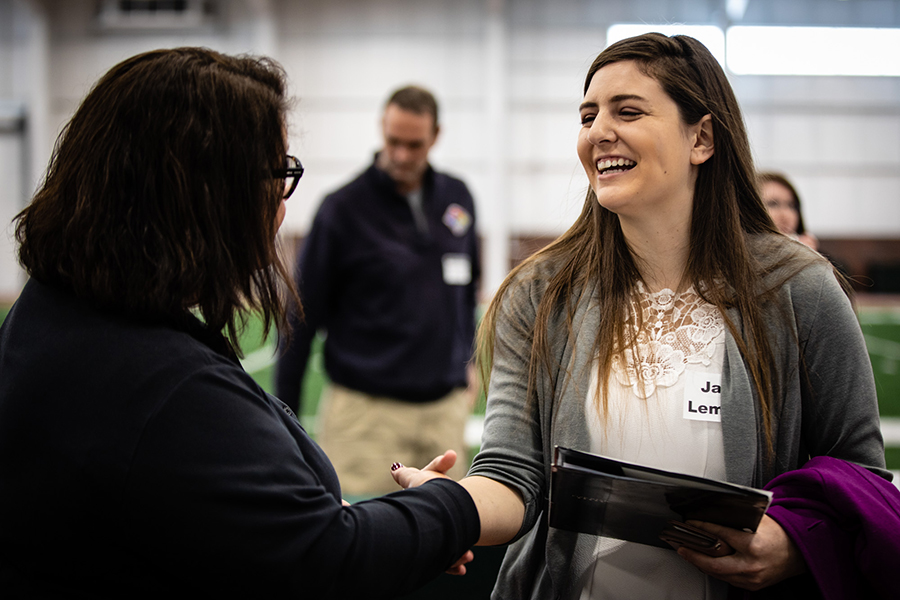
column 364, row 434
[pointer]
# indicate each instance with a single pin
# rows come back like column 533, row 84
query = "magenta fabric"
column 846, row 522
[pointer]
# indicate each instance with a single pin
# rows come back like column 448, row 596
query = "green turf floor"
column 882, row 331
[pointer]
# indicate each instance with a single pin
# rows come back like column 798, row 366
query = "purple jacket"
column 845, row 521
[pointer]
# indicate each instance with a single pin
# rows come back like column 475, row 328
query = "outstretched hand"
column 409, row 477
column 760, row 559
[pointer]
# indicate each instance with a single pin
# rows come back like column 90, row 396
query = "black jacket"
column 135, row 461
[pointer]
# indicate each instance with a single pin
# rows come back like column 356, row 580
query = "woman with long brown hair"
column 672, row 280
column 137, row 457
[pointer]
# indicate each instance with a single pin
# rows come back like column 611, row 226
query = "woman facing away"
column 673, row 276
column 137, row 457
column 783, row 203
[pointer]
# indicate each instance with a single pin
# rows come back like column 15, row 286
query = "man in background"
column 389, row 271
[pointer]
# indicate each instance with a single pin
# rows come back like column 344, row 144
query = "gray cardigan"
column 830, row 411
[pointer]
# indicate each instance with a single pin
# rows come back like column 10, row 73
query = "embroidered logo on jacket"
column 457, row 219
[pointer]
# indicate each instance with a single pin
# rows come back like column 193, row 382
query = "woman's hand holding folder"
column 759, row 559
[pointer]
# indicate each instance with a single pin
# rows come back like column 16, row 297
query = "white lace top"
column 667, row 418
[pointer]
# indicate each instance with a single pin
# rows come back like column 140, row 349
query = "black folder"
column 594, row 494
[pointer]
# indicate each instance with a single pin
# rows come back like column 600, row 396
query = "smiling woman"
column 673, row 281
column 640, row 158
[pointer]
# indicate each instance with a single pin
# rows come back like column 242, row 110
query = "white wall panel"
column 859, row 140
column 398, row 17
column 11, row 157
column 7, row 32
column 544, row 139
column 828, row 141
column 837, row 206
column 11, row 170
column 546, row 203
column 350, row 135
column 570, row 46
column 365, row 66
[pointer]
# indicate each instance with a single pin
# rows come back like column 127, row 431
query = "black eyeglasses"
column 291, row 175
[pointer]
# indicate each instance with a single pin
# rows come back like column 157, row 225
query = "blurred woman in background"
column 783, row 203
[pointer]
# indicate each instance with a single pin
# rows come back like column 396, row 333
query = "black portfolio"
column 593, row 494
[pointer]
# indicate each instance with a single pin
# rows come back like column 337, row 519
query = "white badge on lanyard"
column 457, row 269
column 703, row 397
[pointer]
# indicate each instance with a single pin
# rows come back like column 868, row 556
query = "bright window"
column 813, row 51
column 760, row 50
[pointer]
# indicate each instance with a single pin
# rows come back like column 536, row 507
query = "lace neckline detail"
column 675, row 330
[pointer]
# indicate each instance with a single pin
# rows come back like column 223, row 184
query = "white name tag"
column 703, row 397
column 457, row 269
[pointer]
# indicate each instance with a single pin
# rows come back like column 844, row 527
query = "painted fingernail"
column 395, row 466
